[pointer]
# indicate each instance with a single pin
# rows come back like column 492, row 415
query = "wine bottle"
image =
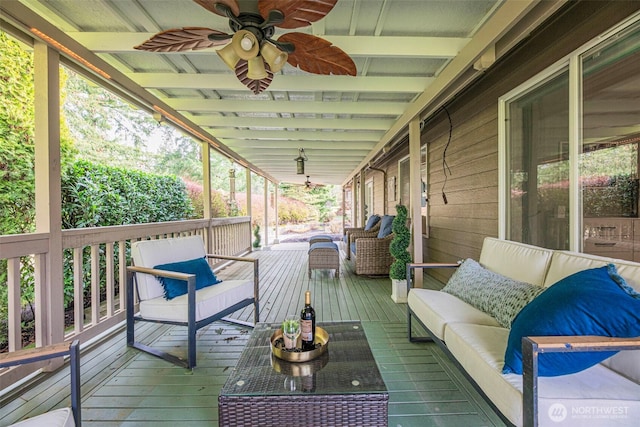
column 308, row 323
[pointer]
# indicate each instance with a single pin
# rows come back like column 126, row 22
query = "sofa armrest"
column 424, row 265
column 31, row 355
column 533, row 346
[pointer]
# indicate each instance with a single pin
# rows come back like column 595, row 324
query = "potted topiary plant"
column 257, row 238
column 398, row 249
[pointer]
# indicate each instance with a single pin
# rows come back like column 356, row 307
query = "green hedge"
column 96, row 195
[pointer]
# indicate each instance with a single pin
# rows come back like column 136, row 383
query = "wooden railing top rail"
column 17, row 245
column 96, row 235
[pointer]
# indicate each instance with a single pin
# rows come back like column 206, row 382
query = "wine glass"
column 291, row 331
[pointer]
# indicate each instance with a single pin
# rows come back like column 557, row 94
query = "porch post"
column 248, row 193
column 275, row 205
column 49, row 292
column 354, row 205
column 266, row 211
column 415, row 198
column 361, row 218
column 206, row 193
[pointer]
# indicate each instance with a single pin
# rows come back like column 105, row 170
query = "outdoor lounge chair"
column 192, row 300
column 371, row 227
column 65, row 417
column 370, row 250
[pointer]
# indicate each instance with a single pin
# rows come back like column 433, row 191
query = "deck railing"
column 91, row 257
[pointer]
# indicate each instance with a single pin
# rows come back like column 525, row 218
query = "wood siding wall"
column 458, row 228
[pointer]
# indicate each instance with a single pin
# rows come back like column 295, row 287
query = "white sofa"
column 607, row 394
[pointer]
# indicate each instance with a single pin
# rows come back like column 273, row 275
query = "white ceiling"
column 408, row 54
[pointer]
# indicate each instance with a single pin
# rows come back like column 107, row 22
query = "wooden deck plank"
column 125, row 387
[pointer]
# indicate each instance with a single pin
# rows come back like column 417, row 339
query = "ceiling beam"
column 269, row 135
column 299, row 107
column 295, row 144
column 260, row 123
column 284, row 82
column 383, row 46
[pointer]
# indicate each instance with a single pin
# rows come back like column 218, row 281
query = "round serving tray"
column 322, row 338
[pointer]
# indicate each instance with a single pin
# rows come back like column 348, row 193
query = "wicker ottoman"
column 324, row 255
column 320, row 238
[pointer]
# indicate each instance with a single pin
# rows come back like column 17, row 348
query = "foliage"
column 256, row 235
column 97, row 195
column 611, row 196
column 323, row 198
column 195, row 194
column 399, row 244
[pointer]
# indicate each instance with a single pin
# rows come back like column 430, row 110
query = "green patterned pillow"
column 496, row 295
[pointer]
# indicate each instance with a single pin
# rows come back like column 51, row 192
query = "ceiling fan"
column 251, row 50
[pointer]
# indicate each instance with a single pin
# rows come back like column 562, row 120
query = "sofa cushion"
column 385, row 226
column 565, row 263
column 371, row 222
column 209, row 301
column 198, row 266
column 604, row 393
column 519, row 261
column 496, row 295
column 480, row 351
column 56, row 418
column 436, row 309
column 589, row 302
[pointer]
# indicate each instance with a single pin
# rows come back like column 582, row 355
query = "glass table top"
column 347, row 367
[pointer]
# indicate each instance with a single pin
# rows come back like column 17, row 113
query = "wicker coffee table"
column 343, row 387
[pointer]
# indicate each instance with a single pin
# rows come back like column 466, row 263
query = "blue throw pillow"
column 371, row 222
column 199, row 267
column 385, row 226
column 590, row 302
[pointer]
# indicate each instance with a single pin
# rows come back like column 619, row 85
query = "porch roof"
column 411, row 57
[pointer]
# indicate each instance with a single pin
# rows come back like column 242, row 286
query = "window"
column 538, row 135
column 569, row 152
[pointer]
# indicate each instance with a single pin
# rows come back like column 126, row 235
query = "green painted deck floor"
column 124, row 387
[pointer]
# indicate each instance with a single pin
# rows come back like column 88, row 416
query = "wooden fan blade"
column 181, row 39
column 297, row 13
column 318, row 56
column 210, row 5
column 256, row 86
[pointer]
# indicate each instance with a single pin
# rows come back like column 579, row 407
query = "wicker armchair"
column 372, row 255
column 349, row 232
column 371, row 249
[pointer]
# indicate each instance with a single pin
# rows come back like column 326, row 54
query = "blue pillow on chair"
column 199, row 266
column 371, row 222
column 590, row 302
column 385, row 226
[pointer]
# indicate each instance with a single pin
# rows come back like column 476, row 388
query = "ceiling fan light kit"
column 273, row 56
column 252, row 52
column 256, row 70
